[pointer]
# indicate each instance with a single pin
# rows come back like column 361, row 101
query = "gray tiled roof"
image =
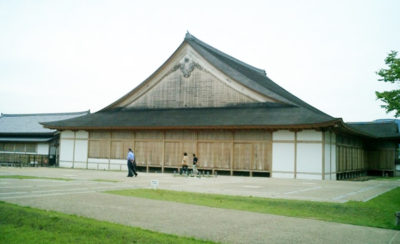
column 251, row 77
column 30, row 123
column 378, row 129
column 26, row 139
column 260, row 115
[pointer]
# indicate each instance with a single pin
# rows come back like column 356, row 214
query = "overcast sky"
column 68, row 56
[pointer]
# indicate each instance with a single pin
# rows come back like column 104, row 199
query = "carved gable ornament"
column 186, row 65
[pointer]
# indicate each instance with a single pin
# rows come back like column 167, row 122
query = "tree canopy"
column 392, row 75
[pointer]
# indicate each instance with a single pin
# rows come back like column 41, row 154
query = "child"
column 195, row 160
column 185, row 161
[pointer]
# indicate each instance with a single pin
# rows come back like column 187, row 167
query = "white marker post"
column 154, row 184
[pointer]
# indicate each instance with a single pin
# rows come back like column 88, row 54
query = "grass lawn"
column 378, row 212
column 395, row 178
column 22, row 177
column 29, row 225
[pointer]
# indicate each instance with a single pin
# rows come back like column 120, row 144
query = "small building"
column 24, row 141
column 232, row 116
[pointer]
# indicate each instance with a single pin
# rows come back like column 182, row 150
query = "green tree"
column 392, row 75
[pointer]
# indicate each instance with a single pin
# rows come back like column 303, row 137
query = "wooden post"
column 336, row 158
column 196, row 141
column 73, row 151
column 323, row 155
column 109, row 152
column 232, row 148
column 163, row 153
column 252, row 159
column 330, row 155
column 232, row 155
column 87, row 152
column 295, row 155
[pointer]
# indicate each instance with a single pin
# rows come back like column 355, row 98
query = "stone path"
column 227, row 226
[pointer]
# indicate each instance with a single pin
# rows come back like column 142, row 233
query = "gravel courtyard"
column 83, row 196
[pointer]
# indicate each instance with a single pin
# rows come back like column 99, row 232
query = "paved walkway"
column 83, row 197
column 314, row 190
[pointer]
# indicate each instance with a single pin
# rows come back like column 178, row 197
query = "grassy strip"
column 378, row 212
column 22, row 177
column 28, row 225
column 388, row 178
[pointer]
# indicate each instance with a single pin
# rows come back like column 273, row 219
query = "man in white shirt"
column 131, row 163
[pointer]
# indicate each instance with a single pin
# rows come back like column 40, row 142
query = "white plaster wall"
column 81, row 151
column 80, row 165
column 309, row 135
column 98, row 163
column 282, row 158
column 67, row 134
column 118, row 161
column 309, row 157
column 117, row 166
column 283, row 175
column 98, row 160
column 64, row 164
column 42, row 148
column 66, row 150
column 283, row 135
column 333, row 154
column 92, row 165
column 102, row 166
column 327, row 153
column 82, row 134
column 309, row 176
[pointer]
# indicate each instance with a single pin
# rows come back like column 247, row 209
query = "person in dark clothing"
column 134, row 168
column 195, row 160
column 131, row 163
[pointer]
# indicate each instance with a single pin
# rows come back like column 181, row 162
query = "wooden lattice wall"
column 230, row 150
column 353, row 154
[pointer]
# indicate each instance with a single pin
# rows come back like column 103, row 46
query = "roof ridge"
column 190, row 37
column 393, row 121
column 41, row 114
column 234, row 106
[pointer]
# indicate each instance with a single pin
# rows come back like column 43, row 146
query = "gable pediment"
column 188, row 80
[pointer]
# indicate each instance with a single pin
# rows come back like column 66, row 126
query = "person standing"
column 131, row 160
column 195, row 160
column 185, row 161
column 134, row 166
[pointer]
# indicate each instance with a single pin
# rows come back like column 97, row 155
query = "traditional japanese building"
column 24, row 141
column 230, row 114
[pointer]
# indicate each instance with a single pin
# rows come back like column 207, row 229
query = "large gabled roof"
column 289, row 111
column 249, row 76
